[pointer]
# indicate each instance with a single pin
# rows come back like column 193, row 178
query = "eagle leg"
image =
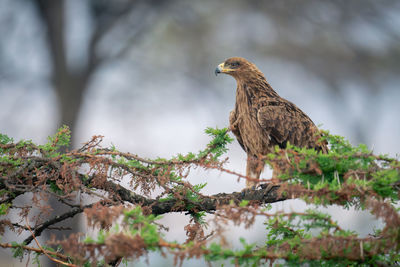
column 253, row 170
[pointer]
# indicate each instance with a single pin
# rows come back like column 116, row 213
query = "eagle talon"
column 247, row 191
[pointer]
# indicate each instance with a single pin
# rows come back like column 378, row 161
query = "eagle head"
column 237, row 67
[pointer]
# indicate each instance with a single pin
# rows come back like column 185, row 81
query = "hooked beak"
column 219, row 69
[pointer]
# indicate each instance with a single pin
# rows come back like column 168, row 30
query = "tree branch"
column 37, row 250
column 268, row 193
column 59, row 218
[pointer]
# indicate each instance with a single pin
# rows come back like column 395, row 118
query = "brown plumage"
column 262, row 119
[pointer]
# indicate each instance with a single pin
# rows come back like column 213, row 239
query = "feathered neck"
column 255, row 85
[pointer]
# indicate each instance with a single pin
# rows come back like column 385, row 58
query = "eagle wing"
column 233, row 125
column 284, row 122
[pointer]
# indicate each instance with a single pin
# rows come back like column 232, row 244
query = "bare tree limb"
column 268, row 193
column 59, row 218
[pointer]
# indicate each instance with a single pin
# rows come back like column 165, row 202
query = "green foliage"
column 383, row 181
column 199, row 217
column 4, row 208
column 4, row 139
column 135, row 224
column 56, row 142
column 91, row 240
column 11, row 160
column 217, row 146
column 17, row 250
column 347, row 176
column 293, row 228
column 36, row 259
column 248, row 255
column 54, row 188
column 142, row 225
column 344, row 166
column 191, row 195
column 244, row 203
column 344, row 170
column 214, row 150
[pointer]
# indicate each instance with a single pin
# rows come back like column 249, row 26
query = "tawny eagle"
column 262, row 119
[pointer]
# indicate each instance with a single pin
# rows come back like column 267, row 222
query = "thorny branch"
column 115, row 181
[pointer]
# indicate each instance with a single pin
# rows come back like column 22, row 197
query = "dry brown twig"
column 45, row 251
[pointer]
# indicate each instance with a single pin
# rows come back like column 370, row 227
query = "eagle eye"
column 235, row 64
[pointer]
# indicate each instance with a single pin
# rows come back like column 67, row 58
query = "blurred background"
column 141, row 73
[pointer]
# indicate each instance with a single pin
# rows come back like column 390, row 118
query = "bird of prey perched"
column 262, row 119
